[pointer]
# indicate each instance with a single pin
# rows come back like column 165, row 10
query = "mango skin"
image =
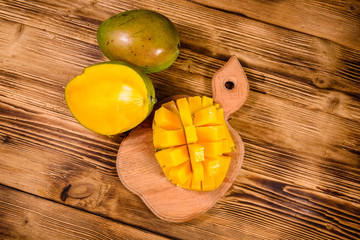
column 144, row 38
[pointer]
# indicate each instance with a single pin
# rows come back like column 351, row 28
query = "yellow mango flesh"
column 110, row 98
column 166, row 171
column 190, row 134
column 196, row 152
column 168, row 138
column 208, row 183
column 195, row 104
column 196, row 184
column 215, row 148
column 211, row 133
column 209, row 116
column 166, row 119
column 180, row 174
column 187, row 184
column 228, row 145
column 172, row 156
column 207, row 102
column 196, row 157
column 192, row 157
column 171, row 106
column 184, row 110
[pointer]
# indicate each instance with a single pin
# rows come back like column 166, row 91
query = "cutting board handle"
column 230, row 86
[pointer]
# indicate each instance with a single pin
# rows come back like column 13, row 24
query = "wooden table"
column 301, row 123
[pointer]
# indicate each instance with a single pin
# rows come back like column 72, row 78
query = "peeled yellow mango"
column 111, row 97
column 192, row 156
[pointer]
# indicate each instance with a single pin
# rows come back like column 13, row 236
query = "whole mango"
column 144, row 38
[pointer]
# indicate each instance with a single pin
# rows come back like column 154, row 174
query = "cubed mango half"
column 191, row 138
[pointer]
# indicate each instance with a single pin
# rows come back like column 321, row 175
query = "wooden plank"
column 291, row 202
column 301, row 134
column 258, row 45
column 24, row 216
column 29, row 141
column 292, row 89
column 254, row 203
column 268, row 126
column 338, row 21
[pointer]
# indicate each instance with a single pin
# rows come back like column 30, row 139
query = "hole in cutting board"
column 229, row 85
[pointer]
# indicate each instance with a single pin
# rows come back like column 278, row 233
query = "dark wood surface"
column 300, row 125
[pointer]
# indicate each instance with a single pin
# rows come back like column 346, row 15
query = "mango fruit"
column 144, row 38
column 191, row 140
column 111, row 97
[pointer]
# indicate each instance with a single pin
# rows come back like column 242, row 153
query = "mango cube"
column 198, row 171
column 172, row 156
column 215, row 165
column 228, row 145
column 187, row 184
column 212, row 149
column 190, row 134
column 171, row 106
column 184, row 111
column 220, row 176
column 195, row 104
column 196, row 157
column 163, row 138
column 166, row 171
column 210, row 133
column 211, row 166
column 209, row 116
column 167, row 119
column 196, row 152
column 181, row 173
column 206, row 102
column 208, row 184
column 195, row 184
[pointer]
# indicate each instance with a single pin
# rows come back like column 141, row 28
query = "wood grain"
column 338, row 21
column 300, row 125
column 24, row 216
column 331, row 110
column 317, row 61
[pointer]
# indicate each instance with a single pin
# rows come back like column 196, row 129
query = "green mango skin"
column 144, row 38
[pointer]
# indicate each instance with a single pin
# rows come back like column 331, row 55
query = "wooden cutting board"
column 140, row 172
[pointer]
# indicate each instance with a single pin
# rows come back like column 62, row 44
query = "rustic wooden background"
column 301, row 123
